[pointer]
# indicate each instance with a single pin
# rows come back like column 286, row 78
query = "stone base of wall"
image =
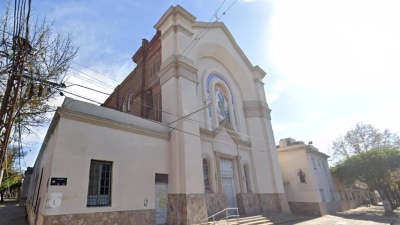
column 305, row 208
column 184, row 209
column 136, row 217
column 274, row 202
column 215, row 203
column 250, row 204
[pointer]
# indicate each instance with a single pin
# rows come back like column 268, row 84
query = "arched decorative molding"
column 218, row 90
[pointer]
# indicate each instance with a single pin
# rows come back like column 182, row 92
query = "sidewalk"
column 11, row 213
column 361, row 215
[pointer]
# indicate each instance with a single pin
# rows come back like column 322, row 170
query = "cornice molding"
column 177, row 69
column 211, row 135
column 256, row 109
column 175, row 29
column 86, row 118
column 175, row 12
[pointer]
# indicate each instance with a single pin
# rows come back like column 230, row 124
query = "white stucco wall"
column 136, row 153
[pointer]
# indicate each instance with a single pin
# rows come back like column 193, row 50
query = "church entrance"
column 227, row 182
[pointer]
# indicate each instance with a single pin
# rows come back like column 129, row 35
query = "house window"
column 206, row 172
column 313, row 163
column 155, row 68
column 99, row 191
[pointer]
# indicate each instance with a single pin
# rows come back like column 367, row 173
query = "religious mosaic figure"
column 302, row 176
column 222, row 104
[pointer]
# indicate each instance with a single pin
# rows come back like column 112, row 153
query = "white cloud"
column 278, row 87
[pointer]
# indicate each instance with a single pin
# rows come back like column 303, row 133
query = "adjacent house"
column 306, row 177
column 188, row 133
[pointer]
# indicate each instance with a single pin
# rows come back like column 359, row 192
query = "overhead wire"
column 197, row 38
column 94, row 78
column 104, row 75
column 142, row 103
column 91, row 80
column 203, row 137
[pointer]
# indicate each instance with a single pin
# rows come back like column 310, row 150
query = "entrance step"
column 266, row 219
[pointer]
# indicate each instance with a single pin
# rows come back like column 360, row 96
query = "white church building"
column 185, row 135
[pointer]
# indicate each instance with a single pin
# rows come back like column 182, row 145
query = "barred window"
column 207, row 188
column 99, row 191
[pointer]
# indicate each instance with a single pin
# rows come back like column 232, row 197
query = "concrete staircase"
column 269, row 219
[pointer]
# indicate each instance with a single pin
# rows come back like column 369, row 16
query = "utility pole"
column 20, row 50
column 7, row 112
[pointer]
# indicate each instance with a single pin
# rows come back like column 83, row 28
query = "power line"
column 90, row 80
column 104, row 75
column 79, row 96
column 94, row 78
column 142, row 103
column 197, row 38
column 87, row 88
column 206, row 138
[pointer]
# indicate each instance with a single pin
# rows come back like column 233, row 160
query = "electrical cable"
column 100, row 85
column 99, row 81
column 97, row 72
column 242, row 147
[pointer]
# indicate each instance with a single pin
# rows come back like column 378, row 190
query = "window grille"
column 99, row 191
column 206, row 177
column 161, row 178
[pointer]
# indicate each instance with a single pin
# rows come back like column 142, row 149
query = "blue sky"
column 329, row 64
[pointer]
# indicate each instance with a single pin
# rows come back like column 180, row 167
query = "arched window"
column 129, row 103
column 247, row 178
column 124, row 105
column 206, row 172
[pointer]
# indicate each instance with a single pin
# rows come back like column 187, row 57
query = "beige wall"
column 137, row 154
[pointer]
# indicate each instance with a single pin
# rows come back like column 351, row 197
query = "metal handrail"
column 225, row 218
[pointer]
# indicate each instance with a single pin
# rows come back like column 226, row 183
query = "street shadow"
column 373, row 213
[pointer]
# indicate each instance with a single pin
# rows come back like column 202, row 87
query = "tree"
column 362, row 138
column 378, row 168
column 11, row 178
column 46, row 64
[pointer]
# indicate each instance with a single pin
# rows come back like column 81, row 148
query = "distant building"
column 309, row 185
column 158, row 152
column 306, row 178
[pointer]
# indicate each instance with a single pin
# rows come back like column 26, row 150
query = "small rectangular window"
column 99, row 191
column 313, row 163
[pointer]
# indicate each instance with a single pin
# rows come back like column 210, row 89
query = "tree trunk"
column 385, row 201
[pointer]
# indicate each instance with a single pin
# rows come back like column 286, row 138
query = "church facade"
column 188, row 133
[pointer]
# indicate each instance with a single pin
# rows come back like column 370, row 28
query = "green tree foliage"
column 362, row 138
column 378, row 168
column 49, row 59
column 11, row 177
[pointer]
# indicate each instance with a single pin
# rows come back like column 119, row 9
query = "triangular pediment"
column 225, row 130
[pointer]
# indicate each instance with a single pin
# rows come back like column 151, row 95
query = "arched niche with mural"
column 223, row 108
